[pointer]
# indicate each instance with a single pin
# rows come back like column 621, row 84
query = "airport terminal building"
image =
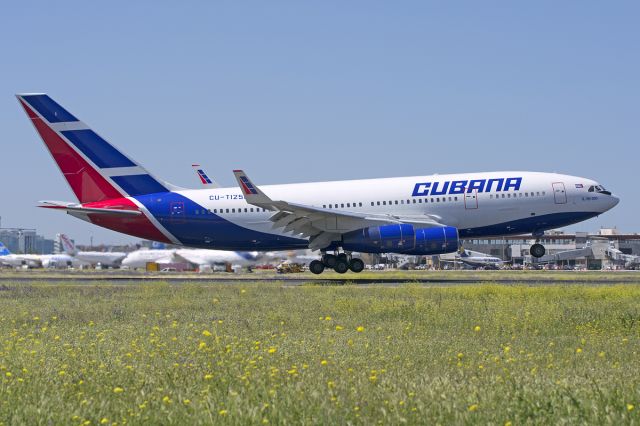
column 580, row 249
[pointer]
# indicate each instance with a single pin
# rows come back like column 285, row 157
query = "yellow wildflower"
column 630, row 407
column 208, row 376
column 473, row 407
column 206, row 333
column 118, row 390
column 339, row 327
column 323, row 362
column 222, row 412
column 476, row 328
column 360, row 329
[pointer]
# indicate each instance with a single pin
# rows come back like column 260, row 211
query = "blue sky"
column 303, row 91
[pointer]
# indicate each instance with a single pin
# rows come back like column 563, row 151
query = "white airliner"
column 420, row 215
column 203, row 258
column 61, row 260
column 476, row 259
column 138, row 259
column 109, row 259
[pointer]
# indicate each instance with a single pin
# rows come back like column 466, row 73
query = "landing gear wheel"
column 537, row 250
column 329, row 260
column 341, row 266
column 344, row 257
column 316, row 267
column 356, row 265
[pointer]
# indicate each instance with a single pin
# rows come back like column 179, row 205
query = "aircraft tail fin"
column 4, row 251
column 67, row 245
column 206, row 181
column 95, row 169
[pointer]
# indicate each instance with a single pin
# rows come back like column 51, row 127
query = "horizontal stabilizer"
column 78, row 208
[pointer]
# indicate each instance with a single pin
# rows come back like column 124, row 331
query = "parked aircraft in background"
column 109, row 259
column 37, row 260
column 421, row 215
column 203, row 257
column 473, row 259
column 476, row 259
column 138, row 259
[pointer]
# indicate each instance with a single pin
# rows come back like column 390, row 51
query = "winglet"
column 251, row 193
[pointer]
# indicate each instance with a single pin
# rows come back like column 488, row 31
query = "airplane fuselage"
column 500, row 203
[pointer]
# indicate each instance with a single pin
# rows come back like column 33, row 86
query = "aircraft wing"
column 321, row 225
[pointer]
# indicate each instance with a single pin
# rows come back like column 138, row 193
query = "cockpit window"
column 599, row 189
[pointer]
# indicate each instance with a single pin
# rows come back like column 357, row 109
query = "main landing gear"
column 537, row 250
column 341, row 263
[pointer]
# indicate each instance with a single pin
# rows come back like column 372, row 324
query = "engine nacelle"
column 402, row 238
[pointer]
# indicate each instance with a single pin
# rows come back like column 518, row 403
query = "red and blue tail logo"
column 94, row 168
column 247, row 186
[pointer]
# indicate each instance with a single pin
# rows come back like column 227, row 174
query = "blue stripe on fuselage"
column 210, row 230
column 528, row 225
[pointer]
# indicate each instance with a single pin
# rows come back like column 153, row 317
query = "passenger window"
column 384, row 203
column 378, row 202
column 251, row 210
column 455, row 198
column 227, row 210
column 361, row 204
column 538, row 193
column 215, row 210
column 414, row 201
column 450, row 199
column 438, row 200
column 396, row 202
column 233, row 210
column 419, row 200
column 342, row 205
column 490, row 196
column 401, row 201
column 543, row 193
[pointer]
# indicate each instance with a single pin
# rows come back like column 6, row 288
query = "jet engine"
column 402, row 238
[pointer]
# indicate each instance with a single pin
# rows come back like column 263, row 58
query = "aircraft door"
column 471, row 199
column 559, row 193
column 176, row 212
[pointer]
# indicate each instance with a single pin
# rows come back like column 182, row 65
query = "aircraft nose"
column 614, row 200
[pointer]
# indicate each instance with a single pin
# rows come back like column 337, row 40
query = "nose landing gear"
column 341, row 263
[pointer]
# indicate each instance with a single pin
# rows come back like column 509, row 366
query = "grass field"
column 263, row 353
